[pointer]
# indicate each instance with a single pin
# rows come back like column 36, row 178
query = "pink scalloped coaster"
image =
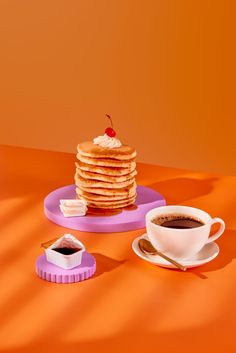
column 52, row 273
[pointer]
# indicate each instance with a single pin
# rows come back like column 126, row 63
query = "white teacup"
column 181, row 243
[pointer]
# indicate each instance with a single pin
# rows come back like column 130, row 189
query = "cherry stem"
column 110, row 120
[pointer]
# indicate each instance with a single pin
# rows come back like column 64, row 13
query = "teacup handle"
column 219, row 232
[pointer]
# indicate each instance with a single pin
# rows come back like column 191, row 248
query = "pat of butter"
column 73, row 203
column 73, row 208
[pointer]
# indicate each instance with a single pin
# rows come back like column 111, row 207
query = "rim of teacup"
column 152, row 213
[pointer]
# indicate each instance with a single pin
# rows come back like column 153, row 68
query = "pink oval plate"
column 126, row 220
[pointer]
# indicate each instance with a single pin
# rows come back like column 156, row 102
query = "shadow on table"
column 179, row 190
column 33, row 172
column 227, row 252
column 105, row 264
column 139, row 339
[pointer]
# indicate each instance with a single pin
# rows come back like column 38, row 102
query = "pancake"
column 115, row 171
column 111, row 205
column 127, row 191
column 108, row 203
column 95, row 197
column 89, row 149
column 107, row 162
column 107, row 178
column 101, row 184
column 125, row 204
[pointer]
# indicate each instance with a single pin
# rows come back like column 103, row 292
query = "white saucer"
column 206, row 254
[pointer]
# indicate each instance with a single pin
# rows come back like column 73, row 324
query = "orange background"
column 165, row 71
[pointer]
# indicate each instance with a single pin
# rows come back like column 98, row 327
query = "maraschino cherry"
column 109, row 130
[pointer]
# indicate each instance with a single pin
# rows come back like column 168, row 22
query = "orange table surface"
column 129, row 305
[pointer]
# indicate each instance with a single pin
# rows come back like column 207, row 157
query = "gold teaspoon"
column 147, row 248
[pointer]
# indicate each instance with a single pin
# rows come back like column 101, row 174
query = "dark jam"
column 66, row 251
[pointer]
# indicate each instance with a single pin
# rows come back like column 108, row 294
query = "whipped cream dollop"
column 107, row 141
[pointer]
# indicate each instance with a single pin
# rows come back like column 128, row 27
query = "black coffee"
column 66, row 251
column 178, row 221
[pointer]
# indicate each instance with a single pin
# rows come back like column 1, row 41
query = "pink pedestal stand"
column 125, row 221
column 52, row 273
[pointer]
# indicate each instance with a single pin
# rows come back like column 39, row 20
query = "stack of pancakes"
column 105, row 177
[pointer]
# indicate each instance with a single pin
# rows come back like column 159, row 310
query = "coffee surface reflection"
column 177, row 221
